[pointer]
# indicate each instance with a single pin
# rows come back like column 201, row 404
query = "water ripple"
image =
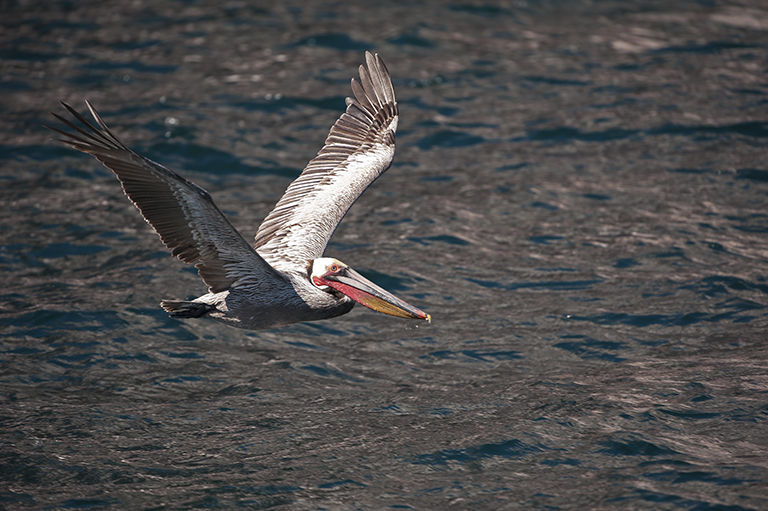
column 508, row 449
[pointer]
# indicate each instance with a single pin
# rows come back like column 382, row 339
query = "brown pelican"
column 283, row 277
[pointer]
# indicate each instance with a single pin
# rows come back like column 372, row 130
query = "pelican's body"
column 285, row 298
column 282, row 278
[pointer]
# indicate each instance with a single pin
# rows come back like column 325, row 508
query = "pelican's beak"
column 366, row 293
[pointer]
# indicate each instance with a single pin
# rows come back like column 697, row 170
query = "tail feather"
column 183, row 309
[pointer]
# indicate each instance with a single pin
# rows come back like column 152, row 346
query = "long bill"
column 366, row 293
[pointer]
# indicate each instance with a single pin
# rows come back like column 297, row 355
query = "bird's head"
column 327, row 273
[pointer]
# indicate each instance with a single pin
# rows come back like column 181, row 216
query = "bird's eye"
column 334, row 267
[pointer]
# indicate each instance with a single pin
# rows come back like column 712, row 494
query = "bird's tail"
column 182, row 309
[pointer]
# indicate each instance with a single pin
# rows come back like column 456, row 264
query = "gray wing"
column 182, row 213
column 359, row 148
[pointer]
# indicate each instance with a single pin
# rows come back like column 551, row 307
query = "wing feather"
column 183, row 214
column 359, row 148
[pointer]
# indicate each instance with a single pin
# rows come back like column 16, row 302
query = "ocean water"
column 578, row 199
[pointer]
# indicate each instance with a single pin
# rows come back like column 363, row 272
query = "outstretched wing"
column 182, row 213
column 359, row 148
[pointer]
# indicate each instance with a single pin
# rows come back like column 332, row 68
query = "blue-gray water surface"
column 578, row 199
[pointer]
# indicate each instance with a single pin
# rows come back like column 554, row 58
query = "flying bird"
column 282, row 278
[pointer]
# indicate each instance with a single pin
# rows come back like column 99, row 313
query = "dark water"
column 578, row 198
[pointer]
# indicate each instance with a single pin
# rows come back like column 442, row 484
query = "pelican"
column 282, row 278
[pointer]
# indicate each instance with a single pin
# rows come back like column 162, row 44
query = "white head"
column 327, row 273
